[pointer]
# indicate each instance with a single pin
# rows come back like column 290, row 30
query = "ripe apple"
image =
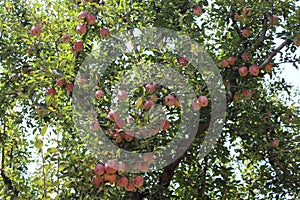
column 90, row 19
column 60, row 82
column 165, row 124
column 111, row 167
column 122, row 181
column 122, row 95
column 65, row 38
column 111, row 178
column 243, row 71
column 203, row 101
column 119, row 122
column 245, row 33
column 138, row 181
column 183, row 61
column 225, row 63
column 81, row 29
column 121, row 167
column 143, row 167
column 197, row 11
column 78, row 46
column 268, row 67
column 196, row 105
column 245, row 56
column 273, row 20
column 297, row 40
column 151, row 87
column 247, row 11
column 246, row 93
column 148, row 105
column 254, row 70
column 170, row 100
column 104, row 33
column 81, row 15
column 113, row 115
column 51, row 91
column 99, row 95
column 130, row 187
column 99, row 169
column 69, row 86
column 35, row 30
column 117, row 138
column 275, row 143
column 97, row 180
column 148, row 157
column 128, row 136
column 231, row 60
column 94, row 126
column 154, row 98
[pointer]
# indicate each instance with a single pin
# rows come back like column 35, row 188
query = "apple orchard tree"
column 43, row 152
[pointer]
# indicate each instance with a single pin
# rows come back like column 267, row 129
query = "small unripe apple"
column 203, row 101
column 122, row 181
column 197, row 11
column 243, row 71
column 231, row 60
column 138, row 181
column 225, row 63
column 99, row 169
column 36, row 30
column 122, row 95
column 60, row 82
column 183, row 61
column 65, row 38
column 268, row 67
column 111, row 167
column 275, row 143
column 130, row 187
column 111, row 178
column 69, row 86
column 254, row 70
column 104, row 33
column 78, row 46
column 51, row 91
column 81, row 15
column 81, row 29
column 245, row 33
column 273, row 20
column 99, row 95
column 90, row 19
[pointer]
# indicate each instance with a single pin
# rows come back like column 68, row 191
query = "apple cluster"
column 68, row 86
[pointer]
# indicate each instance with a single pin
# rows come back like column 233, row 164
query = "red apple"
column 111, row 167
column 35, row 30
column 121, row 167
column 148, row 157
column 81, row 29
column 183, row 61
column 119, row 123
column 148, row 105
column 138, row 181
column 113, row 115
column 117, row 138
column 104, row 33
column 122, row 181
column 275, row 143
column 246, row 93
column 196, row 105
column 231, row 60
column 225, row 63
column 268, row 67
column 69, row 86
column 245, row 56
column 151, row 87
column 254, row 70
column 243, row 71
column 51, row 91
column 111, row 178
column 202, row 101
column 81, row 15
column 170, row 100
column 245, row 33
column 94, row 126
column 143, row 167
column 122, row 95
column 78, row 46
column 99, row 169
column 65, row 38
column 128, row 136
column 60, row 82
column 97, row 180
column 154, row 98
column 197, row 11
column 99, row 95
column 90, row 19
column 165, row 124
column 130, row 187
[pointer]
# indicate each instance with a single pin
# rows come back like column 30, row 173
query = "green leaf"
column 39, row 143
column 44, row 129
